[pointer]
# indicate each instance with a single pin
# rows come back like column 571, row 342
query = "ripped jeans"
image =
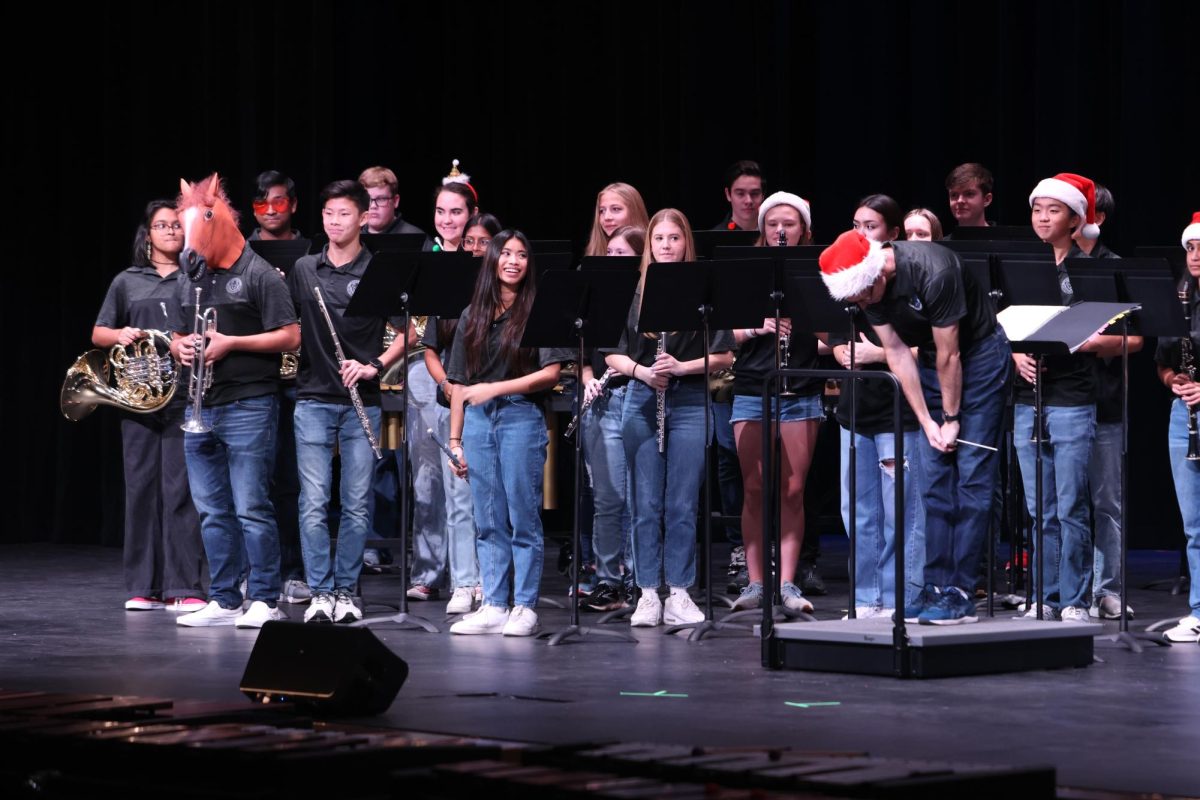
column 875, row 518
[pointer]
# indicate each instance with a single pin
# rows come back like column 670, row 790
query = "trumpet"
column 608, row 375
column 201, row 380
column 1187, row 365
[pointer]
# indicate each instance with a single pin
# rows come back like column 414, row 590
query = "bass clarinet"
column 354, row 398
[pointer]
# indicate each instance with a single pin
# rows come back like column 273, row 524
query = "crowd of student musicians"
column 477, row 528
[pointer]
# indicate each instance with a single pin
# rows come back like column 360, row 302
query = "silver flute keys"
column 660, row 400
column 604, row 379
column 354, row 398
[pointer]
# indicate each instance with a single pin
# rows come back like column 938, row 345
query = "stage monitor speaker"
column 325, row 669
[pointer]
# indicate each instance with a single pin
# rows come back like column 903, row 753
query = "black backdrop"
column 544, row 103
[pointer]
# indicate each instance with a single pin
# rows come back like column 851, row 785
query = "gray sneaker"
column 295, row 592
column 793, row 599
column 751, row 597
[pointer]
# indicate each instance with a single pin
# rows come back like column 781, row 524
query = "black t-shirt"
column 756, row 359
column 1108, row 370
column 684, row 345
column 872, row 398
column 931, row 289
column 139, row 298
column 1069, row 380
column 256, row 235
column 361, row 338
column 1169, row 352
column 491, row 367
column 250, row 297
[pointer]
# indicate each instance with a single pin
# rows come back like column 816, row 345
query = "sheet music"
column 1022, row 322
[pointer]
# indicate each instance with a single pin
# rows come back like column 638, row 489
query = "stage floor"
column 1129, row 722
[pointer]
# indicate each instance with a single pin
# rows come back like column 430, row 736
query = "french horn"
column 138, row 377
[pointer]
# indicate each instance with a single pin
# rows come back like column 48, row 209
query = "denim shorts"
column 748, row 408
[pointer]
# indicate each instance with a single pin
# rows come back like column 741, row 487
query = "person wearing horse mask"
column 230, row 441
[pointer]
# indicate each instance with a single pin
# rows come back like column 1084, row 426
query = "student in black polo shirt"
column 384, row 214
column 916, row 294
column 229, row 465
column 163, row 552
column 498, row 432
column 325, row 415
column 274, row 206
column 744, row 193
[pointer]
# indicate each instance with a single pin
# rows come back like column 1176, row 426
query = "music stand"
column 1057, row 330
column 683, row 297
column 282, row 254
column 572, row 306
column 708, row 241
column 379, row 243
column 388, row 285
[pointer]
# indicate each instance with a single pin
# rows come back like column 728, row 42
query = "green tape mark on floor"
column 659, row 693
column 809, row 705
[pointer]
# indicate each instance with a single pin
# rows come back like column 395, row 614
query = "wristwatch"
column 952, row 417
column 378, row 365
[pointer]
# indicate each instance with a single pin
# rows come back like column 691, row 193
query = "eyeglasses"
column 380, row 202
column 279, row 205
column 166, row 226
column 470, row 242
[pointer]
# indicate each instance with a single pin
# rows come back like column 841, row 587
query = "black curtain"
column 544, row 103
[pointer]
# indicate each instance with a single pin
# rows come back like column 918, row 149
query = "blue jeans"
column 229, row 471
column 1066, row 528
column 875, row 518
column 604, row 457
column 664, row 487
column 729, row 472
column 1187, row 491
column 1104, row 480
column 460, row 517
column 504, row 441
column 958, row 487
column 319, row 427
column 430, row 557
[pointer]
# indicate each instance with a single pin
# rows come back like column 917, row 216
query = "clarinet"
column 660, row 400
column 604, row 379
column 783, row 342
column 1187, row 365
column 354, row 398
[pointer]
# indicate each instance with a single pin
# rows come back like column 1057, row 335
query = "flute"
column 660, row 400
column 604, row 379
column 354, row 398
column 449, row 453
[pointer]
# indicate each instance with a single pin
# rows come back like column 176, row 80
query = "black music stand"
column 386, row 287
column 282, row 254
column 1061, row 330
column 683, row 297
column 708, row 241
column 572, row 306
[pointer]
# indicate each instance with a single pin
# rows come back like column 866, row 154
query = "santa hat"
column 785, row 199
column 460, row 177
column 1077, row 192
column 851, row 265
column 1192, row 231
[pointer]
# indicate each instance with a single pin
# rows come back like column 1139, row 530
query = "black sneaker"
column 604, row 598
column 738, row 581
column 811, row 581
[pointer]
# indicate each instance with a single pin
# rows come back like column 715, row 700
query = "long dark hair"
column 485, row 303
column 142, row 235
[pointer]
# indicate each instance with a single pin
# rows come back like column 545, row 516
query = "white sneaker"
column 1031, row 611
column 344, row 609
column 680, row 609
column 871, row 612
column 209, row 616
column 522, row 622
column 649, row 611
column 1188, row 630
column 462, row 601
column 257, row 614
column 1072, row 614
column 320, row 609
column 488, row 619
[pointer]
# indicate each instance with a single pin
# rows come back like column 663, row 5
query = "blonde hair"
column 598, row 240
column 689, row 245
column 935, row 225
column 375, row 177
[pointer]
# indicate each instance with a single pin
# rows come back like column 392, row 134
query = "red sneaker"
column 186, row 605
column 144, row 604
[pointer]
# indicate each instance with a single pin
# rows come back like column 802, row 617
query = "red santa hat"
column 785, row 199
column 1077, row 192
column 851, row 265
column 1192, row 231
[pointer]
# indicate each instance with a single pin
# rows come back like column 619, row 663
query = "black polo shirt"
column 1069, row 380
column 250, row 297
column 319, row 376
column 492, row 368
column 256, row 235
column 399, row 225
column 684, row 345
column 139, row 298
column 931, row 289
